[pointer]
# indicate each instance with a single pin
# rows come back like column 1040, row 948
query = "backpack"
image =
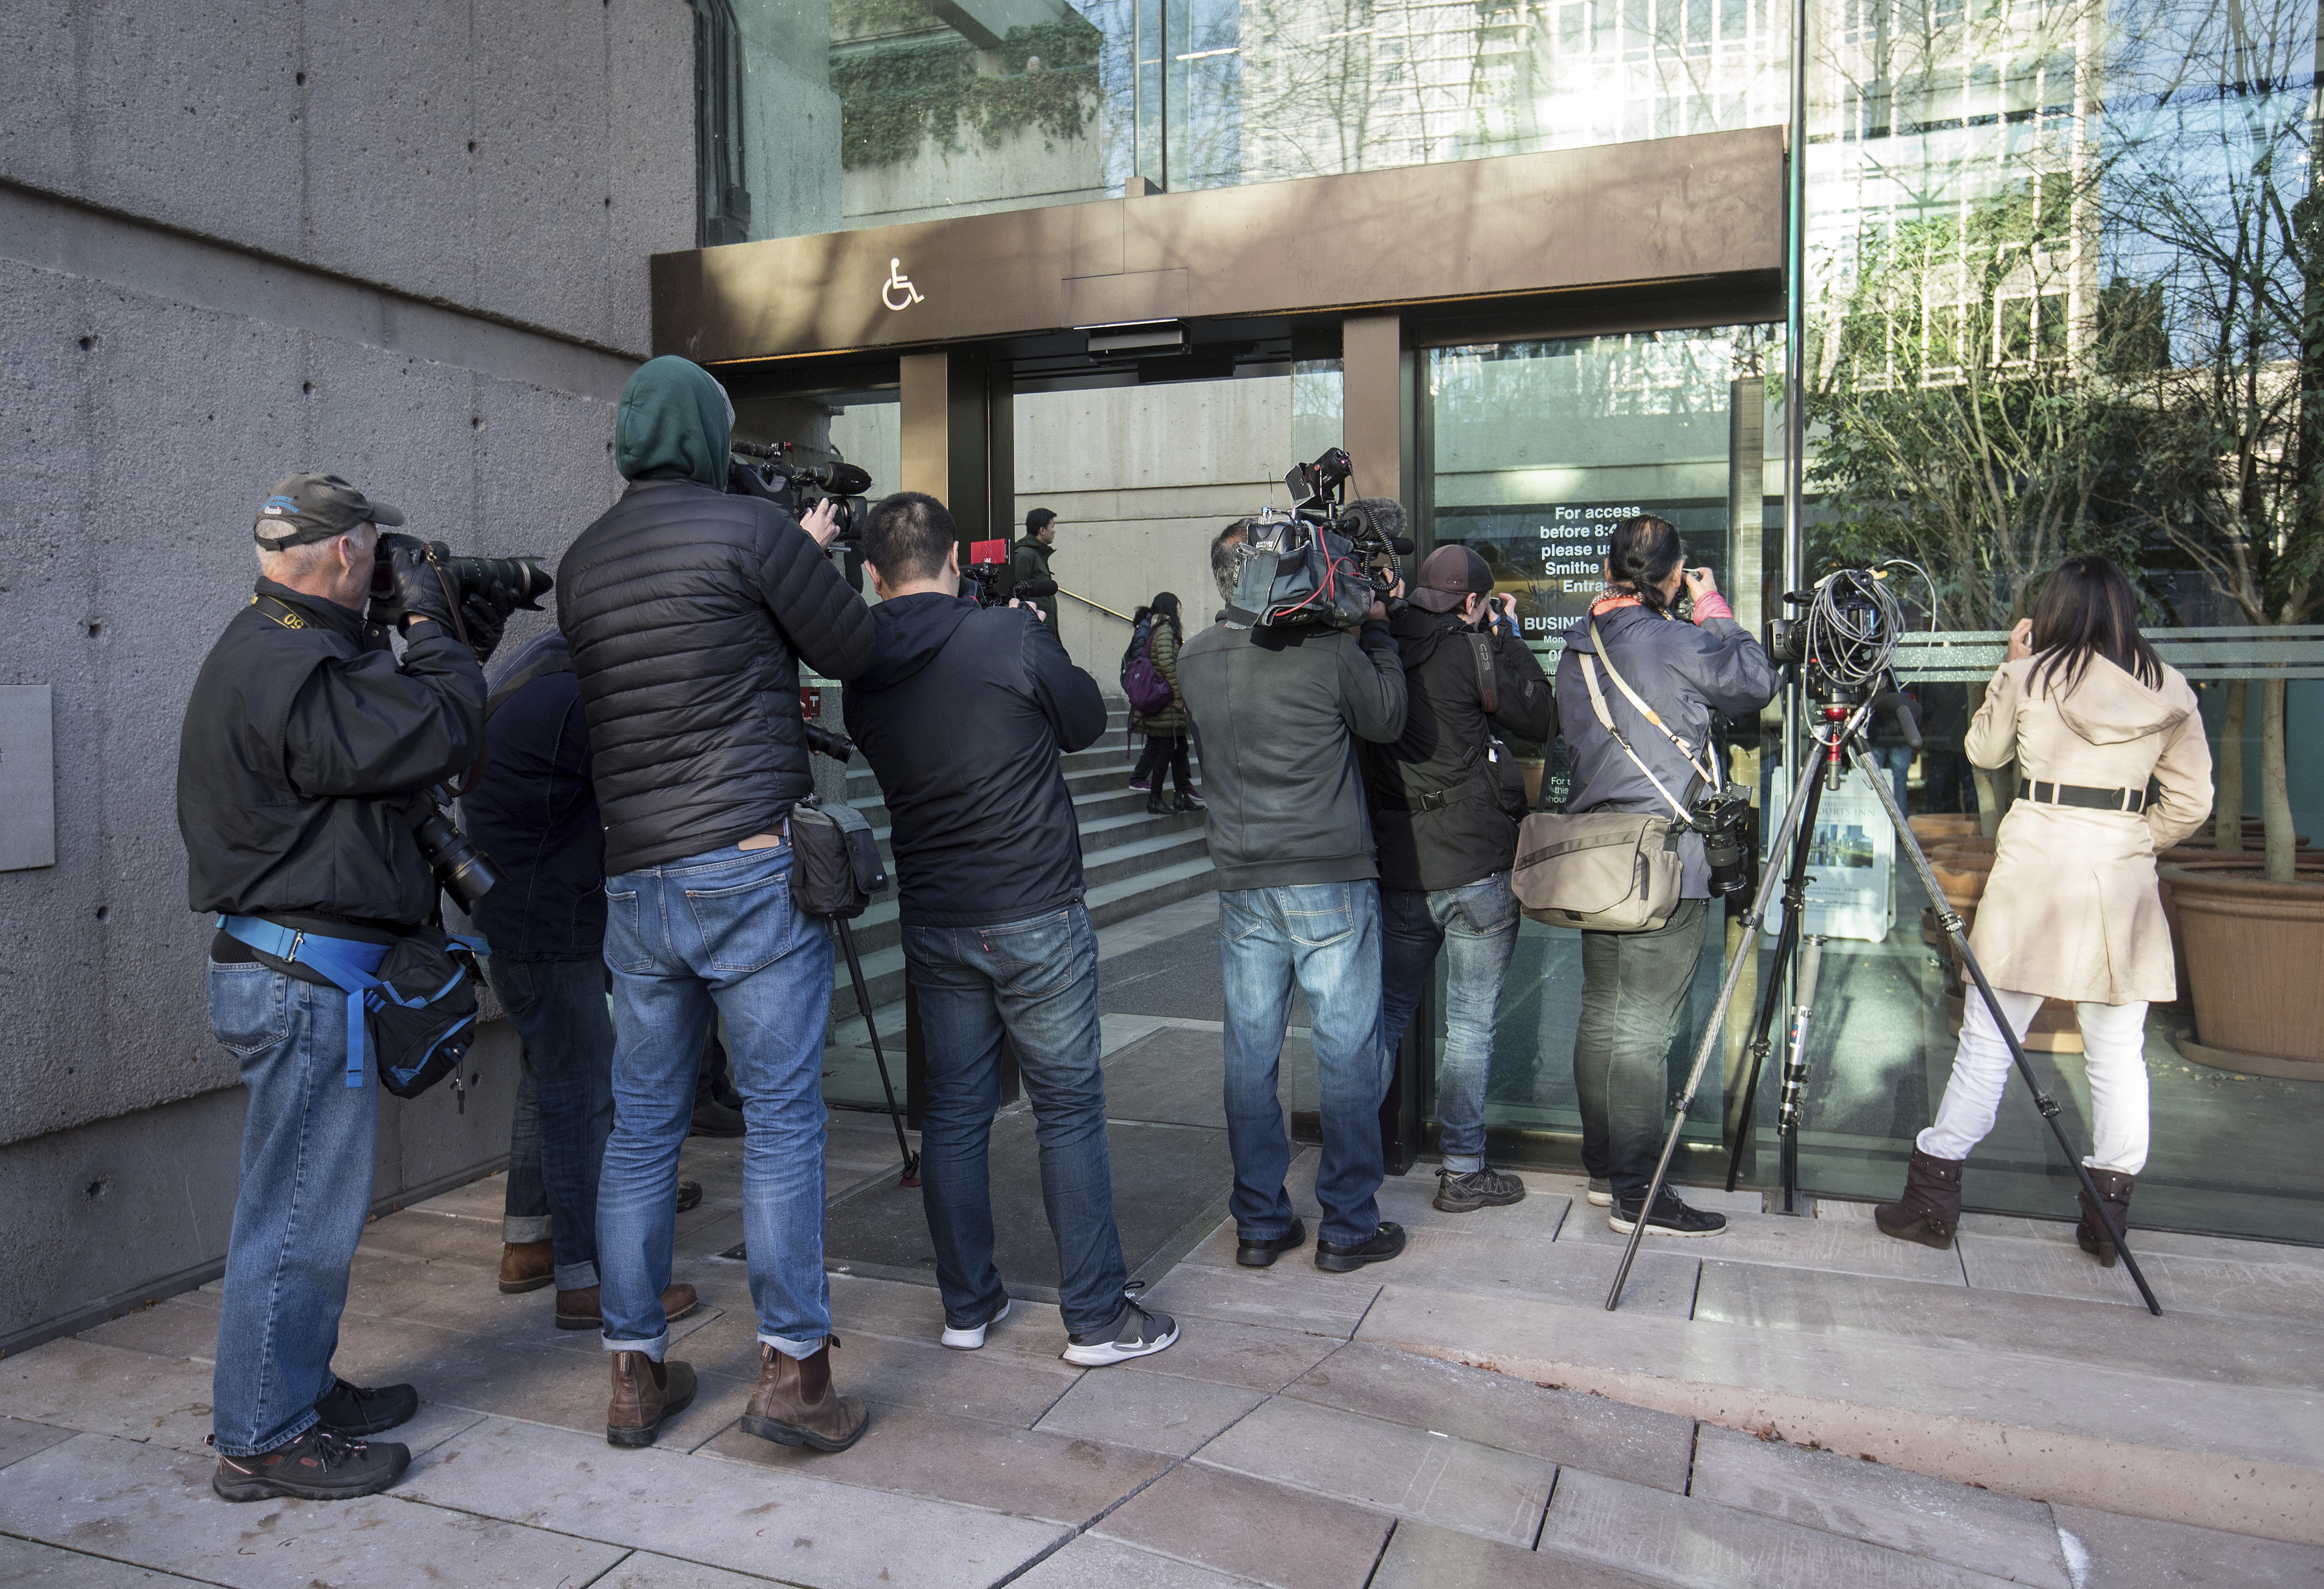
column 1142, row 681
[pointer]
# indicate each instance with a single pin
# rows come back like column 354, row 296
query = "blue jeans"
column 1036, row 982
column 1480, row 921
column 558, row 1008
column 715, row 934
column 308, row 1142
column 1326, row 935
column 1898, row 759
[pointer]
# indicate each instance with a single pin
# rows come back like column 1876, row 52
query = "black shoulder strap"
column 553, row 662
column 1484, row 647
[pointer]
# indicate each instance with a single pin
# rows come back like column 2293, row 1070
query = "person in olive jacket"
column 1157, row 635
column 1029, row 579
column 1446, row 798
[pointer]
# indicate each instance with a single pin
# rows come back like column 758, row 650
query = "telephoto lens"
column 462, row 870
column 1723, row 818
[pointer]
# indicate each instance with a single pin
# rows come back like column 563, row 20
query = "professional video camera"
column 1326, row 561
column 988, row 560
column 795, row 488
column 1843, row 643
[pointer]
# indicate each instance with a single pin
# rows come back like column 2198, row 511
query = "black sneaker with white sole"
column 320, row 1465
column 1671, row 1218
column 1602, row 1192
column 969, row 1338
column 1135, row 1332
column 354, row 1411
column 1481, row 1187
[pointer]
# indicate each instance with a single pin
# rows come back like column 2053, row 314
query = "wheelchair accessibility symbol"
column 897, row 292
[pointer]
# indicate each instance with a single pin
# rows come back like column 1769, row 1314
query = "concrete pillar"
column 1377, row 405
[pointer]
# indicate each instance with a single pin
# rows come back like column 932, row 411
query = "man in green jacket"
column 1029, row 579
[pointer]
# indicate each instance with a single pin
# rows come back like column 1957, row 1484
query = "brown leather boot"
column 646, row 1393
column 795, row 1404
column 2096, row 1234
column 1929, row 1210
column 578, row 1310
column 527, row 1265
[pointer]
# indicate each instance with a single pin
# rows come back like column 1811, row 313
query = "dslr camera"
column 795, row 488
column 1725, row 820
column 1325, row 562
column 988, row 560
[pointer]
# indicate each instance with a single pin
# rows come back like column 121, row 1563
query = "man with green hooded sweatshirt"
column 687, row 609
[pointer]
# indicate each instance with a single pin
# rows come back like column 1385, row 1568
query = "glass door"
column 1532, row 451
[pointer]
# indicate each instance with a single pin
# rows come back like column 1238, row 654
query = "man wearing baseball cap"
column 1446, row 798
column 304, row 741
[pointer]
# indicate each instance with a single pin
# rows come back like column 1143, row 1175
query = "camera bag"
column 1300, row 573
column 835, row 865
column 1604, row 871
column 421, row 1012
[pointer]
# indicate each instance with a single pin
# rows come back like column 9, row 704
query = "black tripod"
column 871, row 1030
column 1841, row 739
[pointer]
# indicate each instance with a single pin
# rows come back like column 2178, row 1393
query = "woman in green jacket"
column 1165, row 730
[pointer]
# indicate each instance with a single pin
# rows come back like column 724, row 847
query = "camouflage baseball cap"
column 316, row 507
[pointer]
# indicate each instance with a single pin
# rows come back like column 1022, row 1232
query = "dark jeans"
column 1036, row 982
column 1946, row 784
column 565, row 1102
column 1633, row 986
column 1328, row 937
column 308, row 1142
column 1165, row 750
column 1479, row 923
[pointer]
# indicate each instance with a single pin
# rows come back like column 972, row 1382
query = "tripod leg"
column 1785, row 836
column 1787, row 942
column 2048, row 1106
column 1795, row 1066
column 872, row 1029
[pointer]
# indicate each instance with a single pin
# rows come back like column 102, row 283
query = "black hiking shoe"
column 1481, row 1187
column 354, row 1411
column 1259, row 1255
column 321, row 1464
column 1671, row 1217
column 1382, row 1244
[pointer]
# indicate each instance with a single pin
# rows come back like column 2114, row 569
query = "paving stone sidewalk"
column 1281, row 1442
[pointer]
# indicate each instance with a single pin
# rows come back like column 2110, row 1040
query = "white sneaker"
column 973, row 1337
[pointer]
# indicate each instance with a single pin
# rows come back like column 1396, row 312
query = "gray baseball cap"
column 315, row 507
column 1450, row 576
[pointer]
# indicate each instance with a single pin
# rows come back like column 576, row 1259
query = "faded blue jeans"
column 1327, row 937
column 1036, row 982
column 308, row 1142
column 565, row 1102
column 716, row 935
column 1477, row 923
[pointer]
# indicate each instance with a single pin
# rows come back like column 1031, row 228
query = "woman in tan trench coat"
column 2090, row 714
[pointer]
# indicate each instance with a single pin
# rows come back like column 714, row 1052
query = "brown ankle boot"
column 527, row 1265
column 795, row 1404
column 2096, row 1234
column 578, row 1310
column 1929, row 1210
column 646, row 1393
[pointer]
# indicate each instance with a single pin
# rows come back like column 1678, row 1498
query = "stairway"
column 1132, row 862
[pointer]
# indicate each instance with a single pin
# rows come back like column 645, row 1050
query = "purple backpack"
column 1143, row 683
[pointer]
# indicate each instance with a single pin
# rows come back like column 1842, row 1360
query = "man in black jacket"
column 1030, row 579
column 1277, row 714
column 1446, row 799
column 305, row 743
column 963, row 718
column 687, row 608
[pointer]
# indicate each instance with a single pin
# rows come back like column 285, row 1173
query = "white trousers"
column 2114, row 1044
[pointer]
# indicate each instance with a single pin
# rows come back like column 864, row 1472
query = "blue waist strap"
column 349, row 965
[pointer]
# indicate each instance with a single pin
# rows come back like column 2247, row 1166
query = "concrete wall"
column 407, row 244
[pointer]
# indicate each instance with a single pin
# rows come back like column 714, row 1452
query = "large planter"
column 2252, row 965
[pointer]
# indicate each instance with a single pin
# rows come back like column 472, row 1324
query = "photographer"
column 1277, row 713
column 687, row 609
column 1446, row 799
column 963, row 718
column 1634, row 984
column 2094, row 719
column 304, row 741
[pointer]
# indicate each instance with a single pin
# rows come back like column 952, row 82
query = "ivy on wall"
column 903, row 93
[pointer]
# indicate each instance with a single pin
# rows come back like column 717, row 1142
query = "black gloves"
column 486, row 612
column 414, row 588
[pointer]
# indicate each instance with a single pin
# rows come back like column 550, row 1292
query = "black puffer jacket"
column 688, row 610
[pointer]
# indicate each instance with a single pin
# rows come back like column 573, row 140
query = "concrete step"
column 2022, row 1373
